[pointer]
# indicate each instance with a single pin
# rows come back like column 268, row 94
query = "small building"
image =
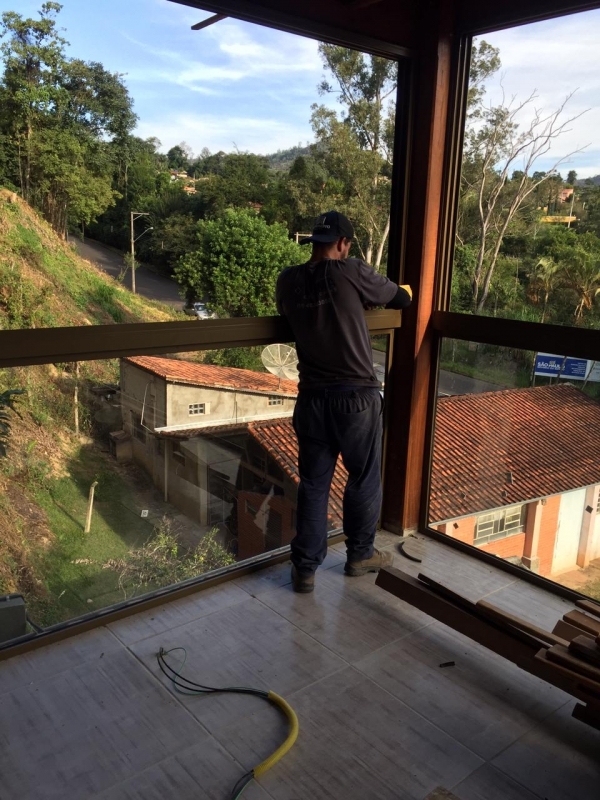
column 517, row 473
column 565, row 195
column 188, row 424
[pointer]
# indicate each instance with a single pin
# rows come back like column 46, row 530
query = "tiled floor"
column 92, row 717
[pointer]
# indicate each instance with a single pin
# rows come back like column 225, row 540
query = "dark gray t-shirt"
column 324, row 303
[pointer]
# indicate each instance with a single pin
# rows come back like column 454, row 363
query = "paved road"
column 449, row 382
column 148, row 283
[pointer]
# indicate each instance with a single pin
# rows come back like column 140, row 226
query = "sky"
column 239, row 86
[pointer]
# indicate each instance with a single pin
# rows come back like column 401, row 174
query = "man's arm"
column 402, row 299
column 377, row 290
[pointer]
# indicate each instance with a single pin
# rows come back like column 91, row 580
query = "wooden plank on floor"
column 583, row 621
column 561, row 655
column 589, row 606
column 495, row 613
column 484, row 632
column 560, row 671
column 569, row 632
column 586, row 648
column 500, row 622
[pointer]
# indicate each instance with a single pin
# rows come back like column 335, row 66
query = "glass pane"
column 516, row 465
column 119, row 477
column 527, row 243
column 171, row 208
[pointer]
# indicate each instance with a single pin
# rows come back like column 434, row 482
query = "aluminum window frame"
column 579, row 343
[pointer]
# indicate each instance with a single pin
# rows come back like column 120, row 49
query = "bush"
column 162, row 561
column 236, row 265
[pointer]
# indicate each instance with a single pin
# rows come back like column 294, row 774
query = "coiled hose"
column 186, row 686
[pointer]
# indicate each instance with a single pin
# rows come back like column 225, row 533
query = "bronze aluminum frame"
column 93, row 342
column 486, row 330
column 282, row 21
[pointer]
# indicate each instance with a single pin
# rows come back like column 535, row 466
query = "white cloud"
column 555, row 59
column 234, row 55
column 223, row 132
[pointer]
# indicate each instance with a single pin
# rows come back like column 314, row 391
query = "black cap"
column 330, row 227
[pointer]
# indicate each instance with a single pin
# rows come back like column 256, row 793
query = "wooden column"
column 409, row 383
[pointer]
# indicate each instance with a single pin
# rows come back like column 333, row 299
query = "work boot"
column 303, row 582
column 373, row 564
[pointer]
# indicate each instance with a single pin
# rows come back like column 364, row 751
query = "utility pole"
column 133, row 216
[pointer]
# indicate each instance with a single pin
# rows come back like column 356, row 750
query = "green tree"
column 355, row 146
column 571, row 177
column 180, row 157
column 579, row 256
column 236, row 264
column 490, row 200
column 33, row 56
column 62, row 117
column 544, row 278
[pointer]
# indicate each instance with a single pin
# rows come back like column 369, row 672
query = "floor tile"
column 245, row 645
column 532, row 603
column 488, row 783
column 350, row 616
column 471, row 578
column 264, row 580
column 558, row 760
column 204, row 771
column 483, row 701
column 79, row 732
column 177, row 612
column 51, row 659
column 356, row 742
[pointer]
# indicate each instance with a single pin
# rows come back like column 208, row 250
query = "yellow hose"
column 289, row 742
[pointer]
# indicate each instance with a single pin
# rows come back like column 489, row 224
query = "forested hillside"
column 53, row 438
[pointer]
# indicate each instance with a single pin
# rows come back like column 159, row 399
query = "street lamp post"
column 133, row 216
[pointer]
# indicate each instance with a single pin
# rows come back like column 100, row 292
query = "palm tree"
column 582, row 271
column 544, row 278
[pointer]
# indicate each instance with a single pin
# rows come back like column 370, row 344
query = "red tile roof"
column 498, row 448
column 213, row 377
column 278, row 438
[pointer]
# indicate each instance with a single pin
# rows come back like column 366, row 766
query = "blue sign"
column 574, row 369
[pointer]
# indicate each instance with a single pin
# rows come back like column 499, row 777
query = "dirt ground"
column 583, row 580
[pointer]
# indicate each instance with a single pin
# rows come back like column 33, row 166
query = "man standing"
column 339, row 406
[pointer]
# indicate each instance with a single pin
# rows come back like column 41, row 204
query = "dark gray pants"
column 329, row 422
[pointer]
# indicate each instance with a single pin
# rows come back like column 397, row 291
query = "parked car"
column 198, row 310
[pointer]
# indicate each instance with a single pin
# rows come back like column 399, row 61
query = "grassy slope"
column 45, row 479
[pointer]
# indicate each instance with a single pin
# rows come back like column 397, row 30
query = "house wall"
column 509, row 547
column 537, row 544
column 226, row 406
column 143, row 395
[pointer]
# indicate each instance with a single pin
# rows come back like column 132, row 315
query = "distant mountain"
column 585, row 181
column 283, row 159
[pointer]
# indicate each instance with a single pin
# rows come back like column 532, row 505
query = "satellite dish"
column 281, row 360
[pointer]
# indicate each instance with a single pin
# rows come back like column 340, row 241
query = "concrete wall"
column 144, row 396
column 225, row 406
column 536, row 545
